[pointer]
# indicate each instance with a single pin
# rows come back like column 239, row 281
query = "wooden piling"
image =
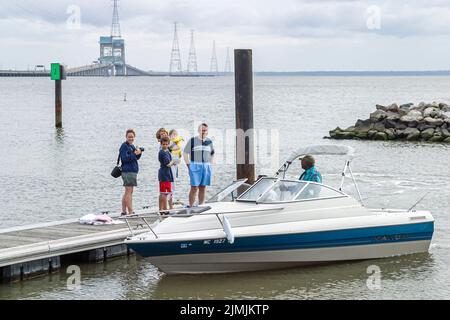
column 243, row 73
column 58, row 103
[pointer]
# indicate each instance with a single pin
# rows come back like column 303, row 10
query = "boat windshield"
column 228, row 190
column 258, row 189
column 269, row 190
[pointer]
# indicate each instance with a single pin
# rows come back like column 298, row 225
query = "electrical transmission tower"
column 115, row 26
column 214, row 66
column 192, row 61
column 228, row 62
column 175, row 57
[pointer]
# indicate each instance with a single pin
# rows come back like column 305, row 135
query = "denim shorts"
column 129, row 179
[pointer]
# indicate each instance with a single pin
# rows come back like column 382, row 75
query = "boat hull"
column 267, row 252
column 281, row 259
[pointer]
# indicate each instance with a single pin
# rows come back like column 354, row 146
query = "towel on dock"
column 95, row 220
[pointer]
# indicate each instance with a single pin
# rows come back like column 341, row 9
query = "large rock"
column 390, row 124
column 412, row 119
column 371, row 134
column 400, row 126
column 436, row 138
column 427, row 112
column 432, row 112
column 420, row 107
column 404, row 109
column 447, row 140
column 443, row 107
column 379, row 127
column 363, row 126
column 434, row 122
column 423, row 126
column 392, row 116
column 406, row 105
column 445, row 133
column 360, row 135
column 406, row 119
column 427, row 134
column 416, row 114
column 393, row 107
column 413, row 124
column 380, row 107
column 390, row 134
column 350, row 129
column 342, row 135
column 380, row 136
column 335, row 131
column 399, row 134
column 438, row 131
column 412, row 134
column 378, row 115
column 435, row 104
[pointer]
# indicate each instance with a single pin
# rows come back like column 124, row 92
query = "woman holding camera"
column 129, row 156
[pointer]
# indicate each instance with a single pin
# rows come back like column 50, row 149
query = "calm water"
column 49, row 175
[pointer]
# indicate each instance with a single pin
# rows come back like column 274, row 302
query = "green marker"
column 55, row 72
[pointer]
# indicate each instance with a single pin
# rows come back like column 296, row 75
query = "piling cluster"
column 423, row 122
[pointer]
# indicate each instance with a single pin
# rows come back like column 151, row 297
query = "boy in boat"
column 165, row 175
column 311, row 173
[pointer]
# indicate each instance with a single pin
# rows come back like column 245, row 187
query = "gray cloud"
column 293, row 26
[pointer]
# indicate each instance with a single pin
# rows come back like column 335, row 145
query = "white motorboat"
column 280, row 223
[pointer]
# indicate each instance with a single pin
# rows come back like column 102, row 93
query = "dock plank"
column 45, row 241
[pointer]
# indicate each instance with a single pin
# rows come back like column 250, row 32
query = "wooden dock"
column 42, row 248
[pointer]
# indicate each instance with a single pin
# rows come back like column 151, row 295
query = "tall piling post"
column 58, row 73
column 58, row 103
column 245, row 141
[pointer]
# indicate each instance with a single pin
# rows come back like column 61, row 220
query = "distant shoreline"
column 354, row 73
column 437, row 73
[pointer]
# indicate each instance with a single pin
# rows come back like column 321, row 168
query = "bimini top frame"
column 324, row 149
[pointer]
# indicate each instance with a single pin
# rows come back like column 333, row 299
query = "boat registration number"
column 214, row 241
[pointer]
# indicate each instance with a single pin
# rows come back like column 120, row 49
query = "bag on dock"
column 117, row 171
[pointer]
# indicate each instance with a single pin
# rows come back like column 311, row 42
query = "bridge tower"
column 115, row 26
column 112, row 48
column 175, row 57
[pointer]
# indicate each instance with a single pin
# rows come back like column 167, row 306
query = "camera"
column 142, row 149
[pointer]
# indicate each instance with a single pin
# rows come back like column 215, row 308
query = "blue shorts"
column 200, row 174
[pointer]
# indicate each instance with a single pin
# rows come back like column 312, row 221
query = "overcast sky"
column 286, row 35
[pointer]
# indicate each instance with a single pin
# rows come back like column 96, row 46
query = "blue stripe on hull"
column 320, row 239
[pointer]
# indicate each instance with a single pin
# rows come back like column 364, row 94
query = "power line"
column 175, row 57
column 192, row 60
